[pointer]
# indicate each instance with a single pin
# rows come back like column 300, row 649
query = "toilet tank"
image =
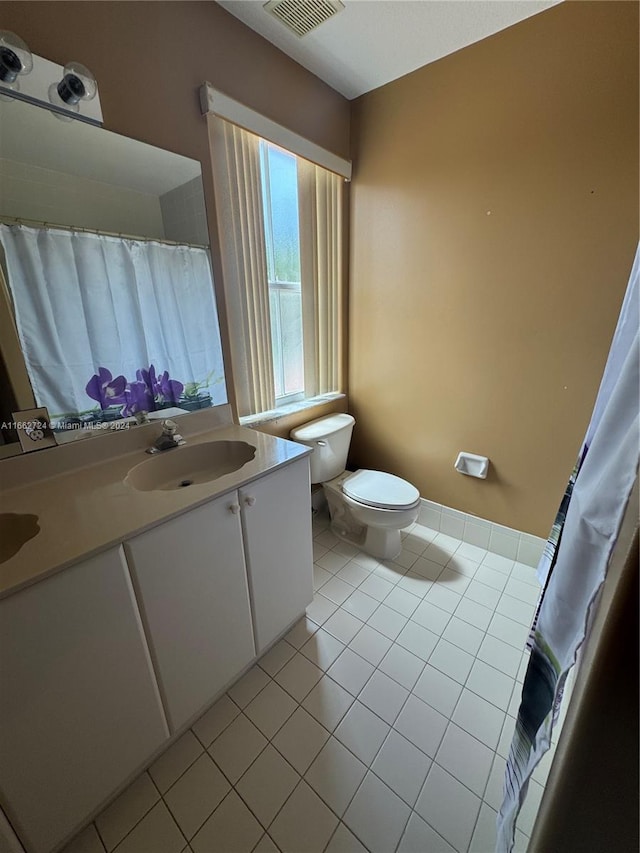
column 330, row 438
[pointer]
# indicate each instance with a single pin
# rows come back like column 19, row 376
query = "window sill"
column 290, row 409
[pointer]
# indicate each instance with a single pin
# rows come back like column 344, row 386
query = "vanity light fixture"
column 69, row 93
column 15, row 60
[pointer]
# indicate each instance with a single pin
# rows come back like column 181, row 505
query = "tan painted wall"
column 150, row 58
column 494, row 223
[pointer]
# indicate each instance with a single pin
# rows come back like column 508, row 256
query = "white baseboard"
column 496, row 538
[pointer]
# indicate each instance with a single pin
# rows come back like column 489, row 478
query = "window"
column 281, row 238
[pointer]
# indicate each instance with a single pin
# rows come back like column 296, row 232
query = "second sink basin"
column 190, row 465
column 15, row 530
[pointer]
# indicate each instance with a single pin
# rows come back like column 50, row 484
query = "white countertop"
column 89, row 509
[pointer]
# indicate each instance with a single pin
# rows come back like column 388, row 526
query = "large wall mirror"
column 107, row 305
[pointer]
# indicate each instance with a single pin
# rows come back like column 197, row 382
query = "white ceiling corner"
column 373, row 42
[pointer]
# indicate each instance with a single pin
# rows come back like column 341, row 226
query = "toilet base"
column 344, row 526
column 381, row 542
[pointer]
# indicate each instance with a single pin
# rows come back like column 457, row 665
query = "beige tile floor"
column 380, row 723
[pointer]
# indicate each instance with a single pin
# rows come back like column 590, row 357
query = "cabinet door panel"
column 276, row 518
column 79, row 704
column 191, row 581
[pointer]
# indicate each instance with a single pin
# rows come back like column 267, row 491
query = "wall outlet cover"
column 34, row 429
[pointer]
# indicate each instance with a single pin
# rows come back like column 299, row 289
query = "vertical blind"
column 236, row 169
column 236, row 160
column 321, row 228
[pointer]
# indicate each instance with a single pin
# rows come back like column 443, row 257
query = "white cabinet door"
column 191, row 582
column 276, row 519
column 79, row 704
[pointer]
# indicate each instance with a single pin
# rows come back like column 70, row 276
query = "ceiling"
column 372, row 42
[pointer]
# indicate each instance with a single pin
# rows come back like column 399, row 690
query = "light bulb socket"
column 77, row 84
column 15, row 57
column 57, row 101
column 10, row 65
column 71, row 89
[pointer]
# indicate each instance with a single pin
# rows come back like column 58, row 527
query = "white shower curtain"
column 86, row 301
column 594, row 511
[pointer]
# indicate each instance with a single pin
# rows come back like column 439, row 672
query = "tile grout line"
column 449, row 720
column 148, row 811
column 332, row 734
column 462, row 595
column 461, row 543
column 409, row 570
column 464, row 686
column 513, row 534
column 410, row 693
column 402, row 571
column 432, row 759
column 168, row 808
column 411, row 619
column 100, row 839
column 440, row 637
column 191, row 729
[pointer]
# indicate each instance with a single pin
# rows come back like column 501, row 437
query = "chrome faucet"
column 167, row 439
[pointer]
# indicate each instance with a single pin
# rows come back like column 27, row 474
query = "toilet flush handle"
column 321, row 443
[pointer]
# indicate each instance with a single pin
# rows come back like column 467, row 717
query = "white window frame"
column 217, row 103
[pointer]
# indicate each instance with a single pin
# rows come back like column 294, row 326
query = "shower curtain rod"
column 34, row 223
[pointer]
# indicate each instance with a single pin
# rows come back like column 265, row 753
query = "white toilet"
column 368, row 508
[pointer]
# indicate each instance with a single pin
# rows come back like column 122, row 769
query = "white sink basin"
column 190, row 465
column 15, row 530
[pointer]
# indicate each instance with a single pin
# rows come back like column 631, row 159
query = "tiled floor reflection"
column 380, row 723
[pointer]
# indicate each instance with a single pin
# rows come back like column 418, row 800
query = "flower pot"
column 107, row 415
column 192, row 404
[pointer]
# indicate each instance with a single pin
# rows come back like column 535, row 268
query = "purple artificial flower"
column 137, row 398
column 169, row 389
column 161, row 387
column 106, row 390
column 149, row 378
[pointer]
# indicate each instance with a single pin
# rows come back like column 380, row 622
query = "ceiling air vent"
column 302, row 16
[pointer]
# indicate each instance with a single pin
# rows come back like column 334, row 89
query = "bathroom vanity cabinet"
column 201, row 577
column 191, row 581
column 276, row 522
column 79, row 703
column 104, row 662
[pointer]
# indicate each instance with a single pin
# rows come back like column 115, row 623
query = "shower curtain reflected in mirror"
column 111, row 326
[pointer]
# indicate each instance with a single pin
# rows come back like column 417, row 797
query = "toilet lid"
column 377, row 489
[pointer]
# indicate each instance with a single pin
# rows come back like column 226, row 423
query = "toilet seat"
column 379, row 490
